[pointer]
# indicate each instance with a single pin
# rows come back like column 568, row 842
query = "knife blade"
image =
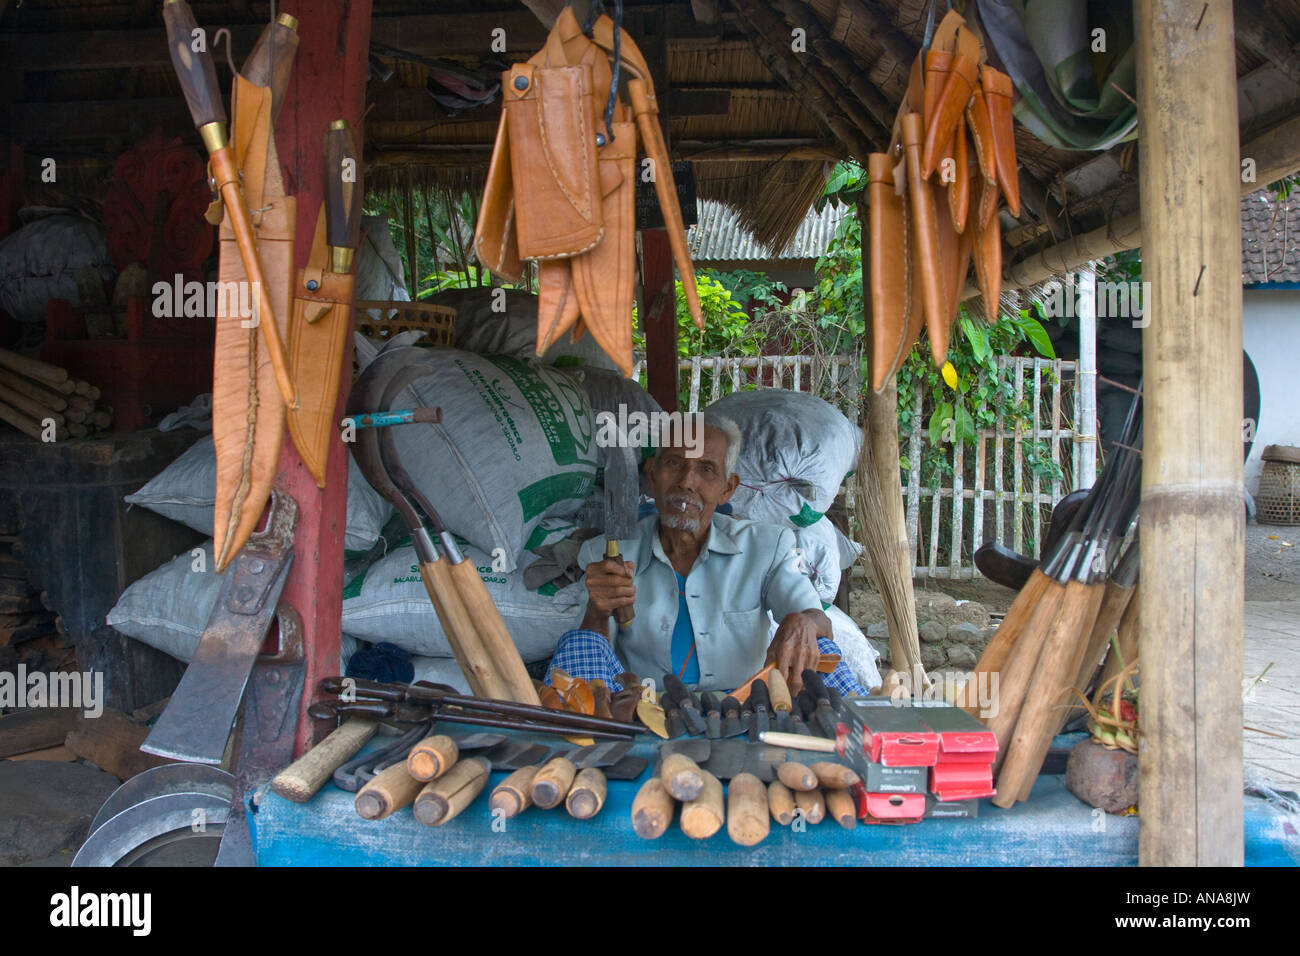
column 197, row 721
column 621, row 492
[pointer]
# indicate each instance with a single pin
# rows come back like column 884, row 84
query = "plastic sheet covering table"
column 1052, row 829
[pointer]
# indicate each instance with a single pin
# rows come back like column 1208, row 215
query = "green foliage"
column 726, row 326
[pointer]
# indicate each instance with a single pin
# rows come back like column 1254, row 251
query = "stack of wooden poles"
column 33, row 393
column 1059, row 629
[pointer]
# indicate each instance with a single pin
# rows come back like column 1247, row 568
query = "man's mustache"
column 682, row 502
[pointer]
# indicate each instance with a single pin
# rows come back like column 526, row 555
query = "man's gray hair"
column 732, row 431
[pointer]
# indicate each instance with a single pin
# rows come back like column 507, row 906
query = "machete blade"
column 197, row 722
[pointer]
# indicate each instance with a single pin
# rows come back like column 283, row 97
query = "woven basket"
column 1278, row 501
column 438, row 322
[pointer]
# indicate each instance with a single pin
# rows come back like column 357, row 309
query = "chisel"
column 687, row 703
column 780, row 694
column 713, row 713
column 758, row 696
column 732, row 726
column 824, row 715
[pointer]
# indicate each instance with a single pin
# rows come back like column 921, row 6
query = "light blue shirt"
column 746, row 569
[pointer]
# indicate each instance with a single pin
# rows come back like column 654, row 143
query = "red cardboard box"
column 961, row 781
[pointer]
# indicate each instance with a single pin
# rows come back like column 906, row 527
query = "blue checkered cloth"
column 587, row 654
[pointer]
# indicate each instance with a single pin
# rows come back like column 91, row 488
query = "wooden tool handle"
column 196, row 71
column 748, row 820
column 442, row 799
column 301, row 780
column 33, row 368
column 812, row 803
column 270, row 63
column 652, row 809
column 27, row 424
column 432, row 757
column 493, row 637
column 27, row 406
column 704, row 816
column 796, row 776
column 587, row 795
column 780, row 802
column 343, row 189
column 834, row 776
column 798, row 742
column 513, row 795
column 682, row 776
column 55, row 401
column 552, row 783
column 387, row 792
column 999, row 647
column 457, row 627
column 841, row 807
column 1057, row 664
column 778, row 690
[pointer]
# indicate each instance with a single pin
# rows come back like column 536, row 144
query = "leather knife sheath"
column 889, row 264
column 551, row 125
column 926, row 249
column 997, row 88
column 495, row 243
column 318, row 333
column 605, row 277
column 248, row 412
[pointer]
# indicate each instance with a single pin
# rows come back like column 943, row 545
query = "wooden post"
column 1086, row 379
column 659, row 318
column 1193, row 511
column 329, row 82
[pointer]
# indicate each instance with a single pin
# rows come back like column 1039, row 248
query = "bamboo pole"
column 1192, row 512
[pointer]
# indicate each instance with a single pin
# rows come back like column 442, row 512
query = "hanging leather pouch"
column 556, row 183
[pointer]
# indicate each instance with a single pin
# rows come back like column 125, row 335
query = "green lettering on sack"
column 534, row 499
column 806, row 517
column 557, row 405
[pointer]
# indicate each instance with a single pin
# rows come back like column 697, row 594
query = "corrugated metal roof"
column 1270, row 239
column 718, row 236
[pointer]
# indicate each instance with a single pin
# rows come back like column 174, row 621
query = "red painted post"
column 660, row 300
column 329, row 83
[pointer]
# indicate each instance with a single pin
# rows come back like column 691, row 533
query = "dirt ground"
column 1272, row 574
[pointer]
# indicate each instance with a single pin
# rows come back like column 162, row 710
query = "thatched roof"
column 760, row 126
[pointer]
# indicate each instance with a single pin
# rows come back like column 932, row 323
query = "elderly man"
column 701, row 585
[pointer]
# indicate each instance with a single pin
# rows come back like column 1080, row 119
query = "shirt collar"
column 719, row 540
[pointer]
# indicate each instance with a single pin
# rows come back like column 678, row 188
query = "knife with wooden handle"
column 198, row 79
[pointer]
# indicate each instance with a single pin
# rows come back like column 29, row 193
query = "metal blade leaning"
column 196, row 724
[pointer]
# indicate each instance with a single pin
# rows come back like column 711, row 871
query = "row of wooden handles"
column 814, row 791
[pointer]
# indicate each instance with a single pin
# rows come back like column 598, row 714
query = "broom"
column 879, row 507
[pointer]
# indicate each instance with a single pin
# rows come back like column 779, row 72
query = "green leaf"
column 1037, row 335
column 965, row 427
column 977, row 337
column 941, row 416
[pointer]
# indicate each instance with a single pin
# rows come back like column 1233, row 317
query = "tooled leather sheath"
column 248, row 412
column 891, row 282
